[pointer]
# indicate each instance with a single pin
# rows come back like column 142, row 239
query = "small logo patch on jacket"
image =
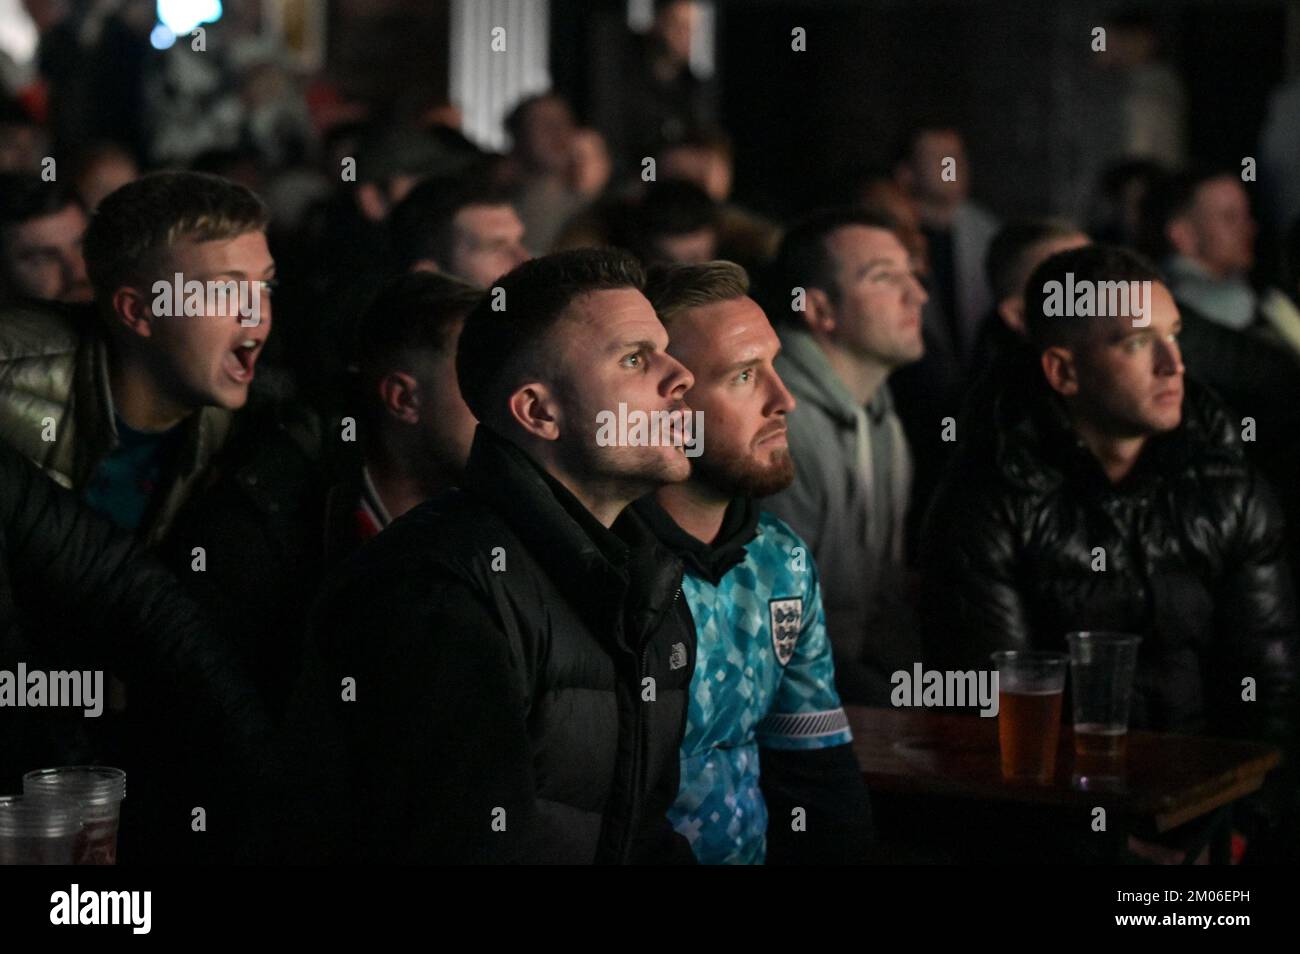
column 787, row 615
column 677, row 658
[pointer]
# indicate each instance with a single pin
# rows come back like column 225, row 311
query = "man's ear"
column 1182, row 236
column 132, row 309
column 534, row 408
column 425, row 265
column 1060, row 370
column 1012, row 312
column 818, row 312
column 399, row 393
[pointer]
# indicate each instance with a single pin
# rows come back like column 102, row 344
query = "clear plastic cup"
column 1101, row 668
column 1030, row 687
column 39, row 831
column 99, row 791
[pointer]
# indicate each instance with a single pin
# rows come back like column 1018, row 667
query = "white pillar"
column 486, row 83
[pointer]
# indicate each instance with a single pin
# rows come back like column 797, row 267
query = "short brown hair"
column 1011, row 251
column 673, row 289
column 134, row 225
column 1093, row 264
column 804, row 259
column 497, row 348
column 413, row 315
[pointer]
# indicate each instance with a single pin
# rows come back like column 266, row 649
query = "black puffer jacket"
column 258, row 512
column 509, row 653
column 1193, row 550
column 75, row 594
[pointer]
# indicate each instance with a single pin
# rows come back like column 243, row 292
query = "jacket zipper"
column 639, row 768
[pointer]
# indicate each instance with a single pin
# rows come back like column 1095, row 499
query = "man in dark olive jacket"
column 500, row 675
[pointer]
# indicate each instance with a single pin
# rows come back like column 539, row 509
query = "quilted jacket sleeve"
column 1256, row 623
column 971, row 603
column 77, row 579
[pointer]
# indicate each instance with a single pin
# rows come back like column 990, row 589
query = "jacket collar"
column 202, row 434
column 595, row 566
column 712, row 561
column 538, row 507
column 1035, row 444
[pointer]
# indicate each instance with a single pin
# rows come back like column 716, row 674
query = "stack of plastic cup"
column 99, row 791
column 39, row 831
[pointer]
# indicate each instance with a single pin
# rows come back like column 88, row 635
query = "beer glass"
column 1102, row 666
column 42, row 831
column 99, row 791
column 1030, row 686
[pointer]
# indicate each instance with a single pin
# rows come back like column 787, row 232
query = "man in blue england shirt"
column 768, row 772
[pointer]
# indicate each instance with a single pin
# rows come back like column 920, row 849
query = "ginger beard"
column 759, row 468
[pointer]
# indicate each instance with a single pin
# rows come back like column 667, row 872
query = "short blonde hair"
column 673, row 289
column 135, row 225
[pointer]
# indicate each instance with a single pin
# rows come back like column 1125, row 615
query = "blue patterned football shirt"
column 763, row 677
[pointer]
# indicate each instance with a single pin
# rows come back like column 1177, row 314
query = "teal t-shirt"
column 125, row 481
column 764, row 676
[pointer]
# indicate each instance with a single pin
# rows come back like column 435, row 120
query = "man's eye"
column 1133, row 344
column 633, row 360
column 745, row 376
column 271, row 286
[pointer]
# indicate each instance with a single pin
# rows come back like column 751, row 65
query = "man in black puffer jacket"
column 498, row 675
column 1096, row 489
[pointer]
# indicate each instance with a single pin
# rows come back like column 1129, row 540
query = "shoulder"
column 444, row 546
column 452, row 539
column 1210, row 426
column 37, row 331
column 977, row 219
column 774, row 534
column 1222, row 477
column 39, row 361
column 779, row 553
column 38, row 351
column 270, row 434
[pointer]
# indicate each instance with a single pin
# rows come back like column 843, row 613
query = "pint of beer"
column 1030, row 686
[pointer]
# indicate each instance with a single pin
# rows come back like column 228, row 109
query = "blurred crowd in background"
column 386, row 221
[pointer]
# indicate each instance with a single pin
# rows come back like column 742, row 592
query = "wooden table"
column 1166, row 780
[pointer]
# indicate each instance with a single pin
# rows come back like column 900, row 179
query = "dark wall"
column 390, row 53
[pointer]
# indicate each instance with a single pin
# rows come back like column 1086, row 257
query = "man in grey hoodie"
column 852, row 308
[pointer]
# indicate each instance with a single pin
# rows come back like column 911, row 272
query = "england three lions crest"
column 787, row 616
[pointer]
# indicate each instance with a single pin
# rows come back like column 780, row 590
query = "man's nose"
column 677, row 379
column 1169, row 358
column 916, row 291
column 262, row 303
column 74, row 268
column 782, row 401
